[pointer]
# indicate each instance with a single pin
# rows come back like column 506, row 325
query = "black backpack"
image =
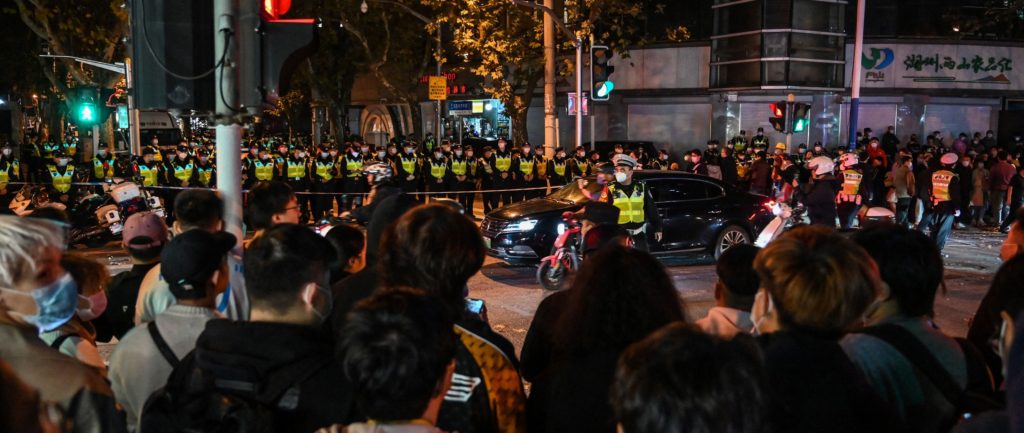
column 194, row 402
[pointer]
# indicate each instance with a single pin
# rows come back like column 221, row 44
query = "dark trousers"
column 1014, row 207
column 322, row 203
column 464, row 193
column 902, row 210
column 640, row 241
column 940, row 226
column 436, row 186
column 353, row 197
column 502, row 198
column 847, row 214
column 522, row 183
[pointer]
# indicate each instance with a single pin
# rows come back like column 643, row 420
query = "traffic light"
column 778, row 120
column 270, row 48
column 172, row 52
column 600, row 71
column 84, row 109
column 801, row 116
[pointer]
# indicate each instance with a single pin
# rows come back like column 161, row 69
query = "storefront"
column 477, row 120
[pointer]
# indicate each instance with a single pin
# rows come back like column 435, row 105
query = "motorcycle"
column 565, row 255
column 785, row 218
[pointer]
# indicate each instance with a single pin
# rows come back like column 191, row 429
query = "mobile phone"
column 475, row 306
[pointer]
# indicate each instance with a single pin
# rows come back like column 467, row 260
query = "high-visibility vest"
column 503, row 163
column 940, row 185
column 49, row 149
column 5, row 172
column 353, row 166
column 264, row 170
column 851, row 182
column 71, row 149
column 62, row 181
column 324, row 170
column 541, row 166
column 526, row 166
column 103, row 169
column 408, row 165
column 739, row 144
column 296, row 169
column 205, row 175
column 148, row 175
column 438, row 169
column 631, row 207
column 459, row 167
column 559, row 168
column 583, row 165
column 183, row 172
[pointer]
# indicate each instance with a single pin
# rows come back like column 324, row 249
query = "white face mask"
column 380, row 154
column 620, row 177
column 7, row 152
column 756, row 315
column 458, row 153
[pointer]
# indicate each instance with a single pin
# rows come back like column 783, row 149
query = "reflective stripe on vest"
column 582, row 166
column 526, row 166
column 560, row 168
column 148, row 175
column 940, row 185
column 851, row 182
column 324, row 170
column 296, row 169
column 459, row 167
column 503, row 163
column 4, row 174
column 631, row 207
column 437, row 170
column 409, row 165
column 264, row 170
column 183, row 172
column 205, row 175
column 103, row 169
column 62, row 182
column 353, row 166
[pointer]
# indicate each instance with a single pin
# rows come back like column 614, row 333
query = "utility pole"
column 229, row 129
column 858, row 53
column 593, row 114
column 135, row 147
column 790, row 99
column 550, row 128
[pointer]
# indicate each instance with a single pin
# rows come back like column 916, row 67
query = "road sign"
column 572, row 104
column 438, row 88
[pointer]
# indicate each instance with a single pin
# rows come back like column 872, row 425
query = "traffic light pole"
column 789, row 122
column 229, row 129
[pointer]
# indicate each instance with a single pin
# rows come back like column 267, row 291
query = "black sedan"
column 700, row 215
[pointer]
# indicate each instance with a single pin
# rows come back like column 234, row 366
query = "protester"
column 619, row 297
column 1014, row 242
column 77, row 337
column 195, row 265
column 269, row 204
column 349, row 244
column 734, row 293
column 143, row 237
column 37, row 295
column 815, row 285
column 901, row 342
column 280, row 361
column 398, row 349
column 682, row 380
column 1001, row 174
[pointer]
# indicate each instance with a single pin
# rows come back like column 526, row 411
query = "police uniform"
column 206, row 172
column 525, row 172
column 297, row 176
column 148, row 173
column 408, row 169
column 503, row 178
column 324, row 180
column 10, row 171
column 759, row 142
column 104, row 168
column 558, row 171
column 739, row 143
column 579, row 165
column 637, row 211
column 460, row 179
column 437, row 175
column 851, row 195
column 60, row 179
column 944, row 191
column 353, row 184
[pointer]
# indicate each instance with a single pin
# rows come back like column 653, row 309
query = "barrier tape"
column 418, row 193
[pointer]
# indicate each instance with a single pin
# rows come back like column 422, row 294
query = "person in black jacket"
column 728, row 164
column 144, row 236
column 819, row 194
column 945, row 200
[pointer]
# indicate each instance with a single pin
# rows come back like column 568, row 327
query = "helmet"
column 821, row 165
column 381, row 172
column 780, row 146
column 848, row 160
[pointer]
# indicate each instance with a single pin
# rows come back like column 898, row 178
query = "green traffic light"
column 800, row 125
column 86, row 114
column 604, row 89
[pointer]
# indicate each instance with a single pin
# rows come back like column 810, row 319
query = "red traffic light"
column 778, row 110
column 273, row 9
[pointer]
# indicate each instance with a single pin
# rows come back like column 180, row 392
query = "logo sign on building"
column 940, row 66
column 572, row 104
column 438, row 88
column 460, row 108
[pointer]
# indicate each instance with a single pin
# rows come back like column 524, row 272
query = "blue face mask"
column 56, row 303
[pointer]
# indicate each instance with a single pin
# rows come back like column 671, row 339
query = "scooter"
column 565, row 255
column 785, row 218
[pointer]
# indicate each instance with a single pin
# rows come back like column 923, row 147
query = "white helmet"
column 848, row 160
column 821, row 165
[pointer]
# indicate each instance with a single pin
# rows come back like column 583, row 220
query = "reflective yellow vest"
column 409, row 165
column 296, row 169
column 583, row 165
column 940, row 185
column 503, row 163
column 459, row 167
column 205, row 175
column 438, row 169
column 98, row 168
column 353, row 166
column 71, row 149
column 183, row 172
column 526, row 166
column 5, row 172
column 851, row 182
column 264, row 170
column 542, row 166
column 559, row 168
column 62, row 182
column 49, row 149
column 324, row 170
column 148, row 175
column 631, row 207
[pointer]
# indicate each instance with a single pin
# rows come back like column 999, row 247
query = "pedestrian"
column 615, row 285
column 854, row 190
column 1015, row 195
column 638, row 213
column 1001, row 173
column 278, row 369
column 10, row 171
column 1003, row 293
column 195, row 265
column 944, row 194
column 759, row 175
column 816, row 284
column 889, row 350
column 728, row 164
column 922, row 177
column 711, row 384
column 349, row 244
column 965, row 171
column 734, row 294
column 37, row 295
column 76, row 337
column 979, row 194
column 903, row 183
column 698, row 167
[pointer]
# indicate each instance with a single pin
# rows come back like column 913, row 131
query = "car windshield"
column 572, row 192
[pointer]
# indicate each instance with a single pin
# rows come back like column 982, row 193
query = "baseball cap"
column 190, row 258
column 599, row 212
column 144, row 230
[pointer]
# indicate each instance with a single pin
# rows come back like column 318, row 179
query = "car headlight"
column 524, row 225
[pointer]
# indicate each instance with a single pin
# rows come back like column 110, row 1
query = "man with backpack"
column 195, row 268
column 276, row 372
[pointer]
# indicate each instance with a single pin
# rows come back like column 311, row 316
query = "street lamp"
column 364, row 8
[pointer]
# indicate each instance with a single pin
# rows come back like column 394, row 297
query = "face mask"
column 760, row 134
column 103, row 152
column 526, row 151
column 446, row 148
column 380, row 154
column 501, row 146
column 458, row 153
column 663, row 157
column 182, row 156
column 7, row 152
column 409, row 150
column 620, row 177
column 438, row 155
column 302, row 155
column 324, row 154
column 62, row 162
column 364, row 149
column 392, row 151
column 97, row 305
column 56, row 303
column 560, row 156
column 171, row 156
column 264, row 157
column 580, row 154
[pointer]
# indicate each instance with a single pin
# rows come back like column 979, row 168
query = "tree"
column 289, row 108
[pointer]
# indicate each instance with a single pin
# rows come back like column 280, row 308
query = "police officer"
column 474, row 172
column 10, row 171
column 459, row 178
column 352, row 182
column 297, row 176
column 263, row 168
column 147, row 169
column 61, row 174
column 580, row 165
column 408, row 168
column 182, row 169
column 324, row 181
column 503, row 177
column 760, row 141
column 103, row 165
column 558, row 169
column 540, row 179
column 437, row 174
column 739, row 142
column 486, row 172
column 661, row 161
column 637, row 212
column 206, row 171
column 945, row 196
column 525, row 171
column 853, row 191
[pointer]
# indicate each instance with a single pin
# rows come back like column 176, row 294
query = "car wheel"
column 728, row 238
